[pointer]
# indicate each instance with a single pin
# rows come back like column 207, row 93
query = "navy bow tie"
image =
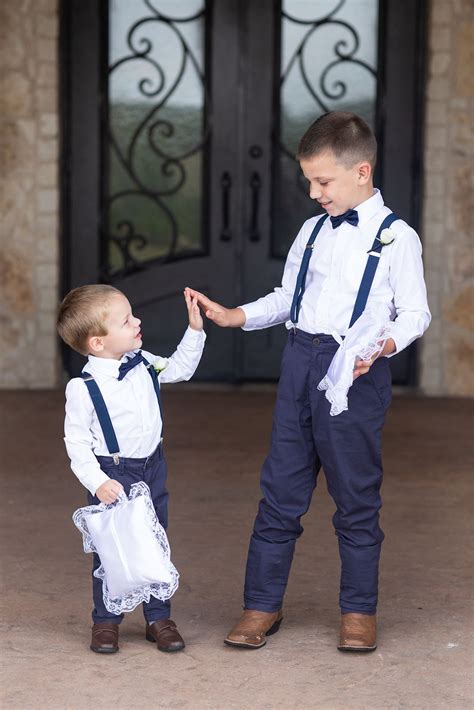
column 350, row 216
column 130, row 364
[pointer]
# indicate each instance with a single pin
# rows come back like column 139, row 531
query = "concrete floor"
column 216, row 441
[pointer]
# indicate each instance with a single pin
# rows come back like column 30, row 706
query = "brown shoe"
column 358, row 633
column 165, row 634
column 105, row 637
column 253, row 627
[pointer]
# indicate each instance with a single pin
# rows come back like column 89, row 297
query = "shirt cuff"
column 193, row 337
column 253, row 312
column 400, row 340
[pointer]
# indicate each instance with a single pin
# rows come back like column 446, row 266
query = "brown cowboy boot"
column 253, row 627
column 105, row 637
column 358, row 633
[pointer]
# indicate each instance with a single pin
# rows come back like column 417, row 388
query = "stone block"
column 432, row 233
column 12, row 50
column 437, row 113
column 17, row 152
column 46, row 275
column 47, row 250
column 47, row 25
column 462, row 123
column 435, row 160
column 435, row 185
column 463, row 197
column 48, row 299
column 47, row 74
column 48, row 150
column 46, row 99
column 47, row 50
column 440, row 38
column 47, row 324
column 438, row 88
column 440, row 63
column 16, row 287
column 47, row 7
column 459, row 352
column 437, row 137
column 47, row 175
column 48, row 124
column 460, row 309
column 15, row 96
column 464, row 60
column 47, row 201
column 45, row 347
column 441, row 13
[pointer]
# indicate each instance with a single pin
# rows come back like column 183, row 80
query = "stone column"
column 28, row 193
column 447, row 352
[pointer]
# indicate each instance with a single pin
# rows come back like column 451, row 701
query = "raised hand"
column 225, row 317
column 194, row 314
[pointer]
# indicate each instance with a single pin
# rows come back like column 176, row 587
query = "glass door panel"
column 154, row 205
column 327, row 62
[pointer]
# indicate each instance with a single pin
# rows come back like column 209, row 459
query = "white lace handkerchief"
column 133, row 549
column 365, row 339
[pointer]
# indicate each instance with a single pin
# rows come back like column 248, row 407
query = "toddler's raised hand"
column 194, row 314
column 109, row 491
column 225, row 317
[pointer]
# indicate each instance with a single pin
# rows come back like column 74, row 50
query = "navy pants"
column 153, row 471
column 348, row 447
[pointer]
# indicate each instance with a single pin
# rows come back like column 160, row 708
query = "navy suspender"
column 301, row 280
column 367, row 278
column 370, row 269
column 102, row 415
column 102, row 411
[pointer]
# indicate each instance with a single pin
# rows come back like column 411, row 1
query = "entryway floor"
column 215, row 444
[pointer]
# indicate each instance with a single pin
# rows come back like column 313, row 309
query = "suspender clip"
column 309, row 246
column 116, row 459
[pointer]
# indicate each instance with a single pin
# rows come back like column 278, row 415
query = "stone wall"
column 28, row 193
column 447, row 352
column 29, row 237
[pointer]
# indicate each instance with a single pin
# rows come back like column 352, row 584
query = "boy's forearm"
column 237, row 317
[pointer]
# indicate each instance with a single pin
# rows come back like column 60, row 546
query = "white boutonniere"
column 386, row 237
column 160, row 364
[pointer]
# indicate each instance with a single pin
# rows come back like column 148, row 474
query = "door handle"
column 255, row 185
column 226, row 184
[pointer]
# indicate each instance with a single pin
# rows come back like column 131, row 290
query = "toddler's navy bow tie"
column 130, row 364
column 350, row 216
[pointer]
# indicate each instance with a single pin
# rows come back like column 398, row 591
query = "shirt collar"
column 105, row 365
column 369, row 208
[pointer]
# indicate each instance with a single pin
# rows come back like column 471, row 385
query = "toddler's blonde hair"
column 83, row 313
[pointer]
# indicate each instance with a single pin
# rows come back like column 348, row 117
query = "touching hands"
column 225, row 317
column 194, row 314
column 363, row 366
column 109, row 491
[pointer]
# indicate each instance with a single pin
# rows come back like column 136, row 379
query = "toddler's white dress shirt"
column 335, row 274
column 132, row 406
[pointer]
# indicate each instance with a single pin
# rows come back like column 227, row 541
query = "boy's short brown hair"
column 347, row 135
column 83, row 313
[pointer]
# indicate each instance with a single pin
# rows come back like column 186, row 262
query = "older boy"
column 335, row 266
column 109, row 453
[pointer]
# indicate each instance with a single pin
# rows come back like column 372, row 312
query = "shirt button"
column 316, row 341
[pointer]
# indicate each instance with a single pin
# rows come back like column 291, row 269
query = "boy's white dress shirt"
column 335, row 274
column 132, row 406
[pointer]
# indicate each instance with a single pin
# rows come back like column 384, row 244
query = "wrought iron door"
column 179, row 141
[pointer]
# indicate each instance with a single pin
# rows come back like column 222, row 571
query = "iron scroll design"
column 154, row 132
column 326, row 63
column 345, row 49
